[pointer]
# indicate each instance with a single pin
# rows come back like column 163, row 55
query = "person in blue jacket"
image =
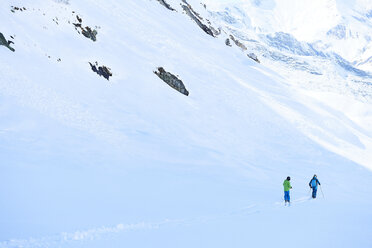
column 314, row 182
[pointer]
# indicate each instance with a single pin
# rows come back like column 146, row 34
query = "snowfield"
column 131, row 162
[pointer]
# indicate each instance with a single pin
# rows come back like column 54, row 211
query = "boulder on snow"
column 14, row 9
column 87, row 31
column 4, row 42
column 171, row 80
column 101, row 70
column 254, row 57
column 165, row 4
column 227, row 42
column 238, row 43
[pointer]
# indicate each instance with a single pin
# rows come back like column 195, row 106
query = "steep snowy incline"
column 129, row 161
column 306, row 67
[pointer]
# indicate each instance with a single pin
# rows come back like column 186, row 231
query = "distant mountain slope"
column 338, row 26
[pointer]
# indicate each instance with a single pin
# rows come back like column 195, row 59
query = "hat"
column 288, row 178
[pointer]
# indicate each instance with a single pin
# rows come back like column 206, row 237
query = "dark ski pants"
column 314, row 191
column 286, row 196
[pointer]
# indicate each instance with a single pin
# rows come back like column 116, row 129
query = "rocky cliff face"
column 165, row 4
column 6, row 43
column 171, row 80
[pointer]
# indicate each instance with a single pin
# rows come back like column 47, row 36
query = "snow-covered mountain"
column 338, row 26
column 296, row 41
column 97, row 150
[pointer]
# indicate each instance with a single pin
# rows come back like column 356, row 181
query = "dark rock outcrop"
column 165, row 4
column 227, row 42
column 197, row 18
column 87, row 31
column 254, row 57
column 14, row 9
column 238, row 43
column 101, row 70
column 4, row 42
column 216, row 32
column 171, row 80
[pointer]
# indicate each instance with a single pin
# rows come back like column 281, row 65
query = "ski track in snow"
column 90, row 234
column 105, row 232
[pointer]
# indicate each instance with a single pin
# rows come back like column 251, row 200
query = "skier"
column 287, row 187
column 314, row 185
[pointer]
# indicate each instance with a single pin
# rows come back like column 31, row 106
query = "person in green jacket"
column 287, row 187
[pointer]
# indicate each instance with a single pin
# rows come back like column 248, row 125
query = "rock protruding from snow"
column 227, row 42
column 197, row 18
column 14, row 9
column 4, row 42
column 103, row 71
column 171, row 80
column 165, row 4
column 87, row 31
column 238, row 43
column 254, row 57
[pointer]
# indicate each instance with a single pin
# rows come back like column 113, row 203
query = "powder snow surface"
column 130, row 162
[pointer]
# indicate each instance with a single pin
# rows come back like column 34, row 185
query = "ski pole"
column 321, row 190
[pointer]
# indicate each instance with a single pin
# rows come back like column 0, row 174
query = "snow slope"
column 131, row 162
column 340, row 26
column 320, row 73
